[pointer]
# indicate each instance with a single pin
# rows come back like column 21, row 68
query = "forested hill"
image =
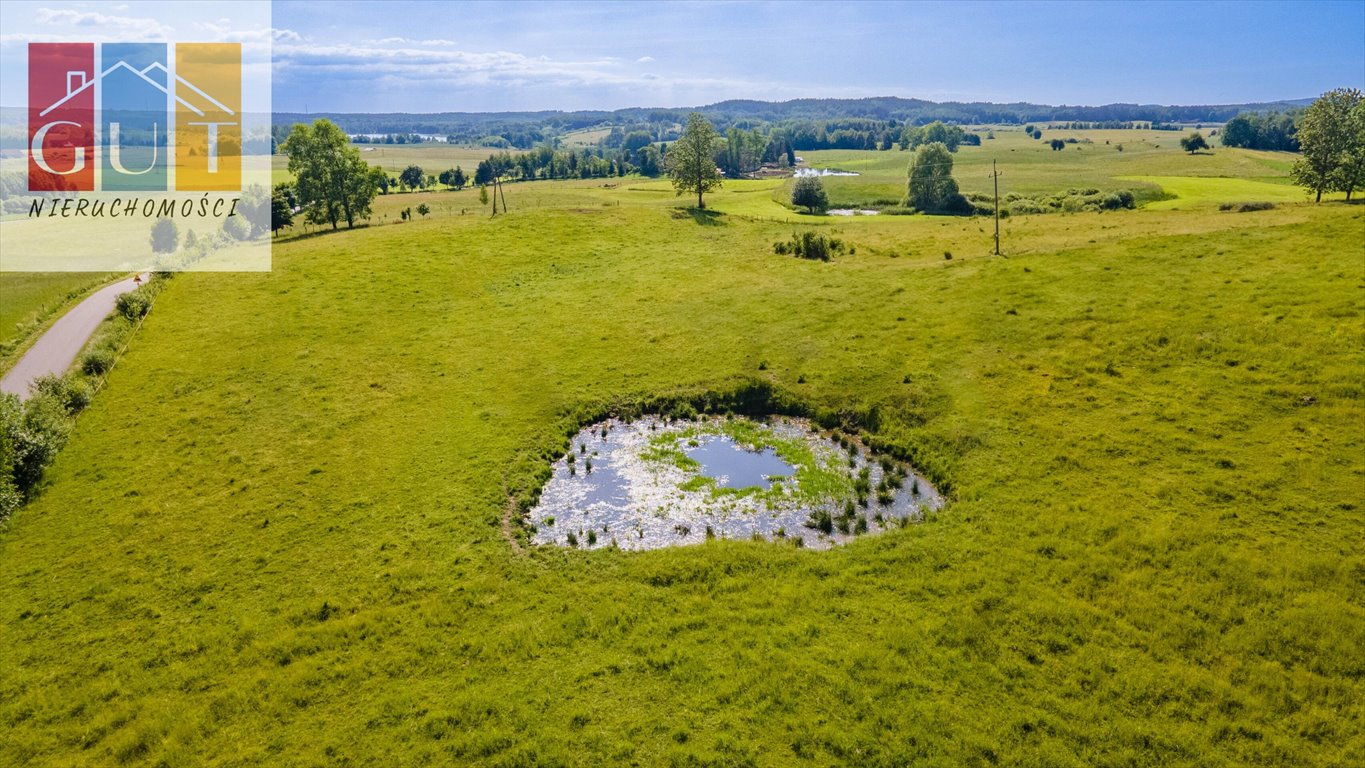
column 725, row 113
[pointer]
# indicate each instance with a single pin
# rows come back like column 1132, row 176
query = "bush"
column 74, row 394
column 1246, row 207
column 33, row 433
column 134, row 304
column 97, row 362
column 809, row 245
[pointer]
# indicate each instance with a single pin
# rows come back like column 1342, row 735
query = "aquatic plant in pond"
column 671, row 482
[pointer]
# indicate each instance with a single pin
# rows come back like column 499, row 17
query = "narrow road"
column 57, row 349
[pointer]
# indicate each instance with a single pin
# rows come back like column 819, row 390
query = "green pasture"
column 1031, row 167
column 278, row 534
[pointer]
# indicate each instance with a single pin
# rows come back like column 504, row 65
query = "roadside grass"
column 31, row 301
column 274, row 538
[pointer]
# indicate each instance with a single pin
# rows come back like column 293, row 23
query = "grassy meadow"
column 277, row 535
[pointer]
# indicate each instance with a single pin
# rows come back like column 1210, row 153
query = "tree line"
column 516, row 127
column 1272, row 130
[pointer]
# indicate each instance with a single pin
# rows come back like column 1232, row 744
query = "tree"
column 647, row 161
column 331, row 181
column 1350, row 175
column 447, row 178
column 380, row 179
column 483, row 195
column 1057, row 145
column 412, row 177
column 691, row 159
column 810, row 193
column 932, row 188
column 1325, row 137
column 165, row 236
column 281, row 215
column 459, row 178
column 1194, row 142
column 424, row 209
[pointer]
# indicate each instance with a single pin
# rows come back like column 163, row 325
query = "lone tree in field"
column 1330, row 139
column 165, row 236
column 1194, row 142
column 810, row 193
column 932, row 188
column 692, row 159
column 412, row 177
column 332, row 182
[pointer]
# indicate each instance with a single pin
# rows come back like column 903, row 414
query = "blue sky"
column 476, row 56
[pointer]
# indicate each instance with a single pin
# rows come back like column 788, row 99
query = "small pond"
column 652, row 482
column 802, row 172
column 853, row 212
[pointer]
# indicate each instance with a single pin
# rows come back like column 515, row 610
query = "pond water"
column 652, row 483
column 853, row 212
column 733, row 466
column 801, row 172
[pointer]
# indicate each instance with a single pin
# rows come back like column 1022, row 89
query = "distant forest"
column 524, row 130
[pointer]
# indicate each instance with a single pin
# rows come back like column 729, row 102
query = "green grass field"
column 275, row 537
column 1030, row 167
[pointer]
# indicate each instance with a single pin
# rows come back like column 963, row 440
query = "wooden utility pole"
column 995, row 177
column 504, row 197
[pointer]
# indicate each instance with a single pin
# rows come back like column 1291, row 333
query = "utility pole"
column 995, row 177
column 504, row 197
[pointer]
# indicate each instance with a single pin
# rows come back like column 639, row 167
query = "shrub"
column 97, row 362
column 134, row 304
column 31, row 435
column 1246, row 207
column 809, row 245
column 74, row 394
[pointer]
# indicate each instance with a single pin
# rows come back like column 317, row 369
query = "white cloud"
column 122, row 27
column 644, row 59
column 408, row 41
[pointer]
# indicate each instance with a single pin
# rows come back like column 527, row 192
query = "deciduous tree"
column 1328, row 142
column 412, row 177
column 931, row 187
column 331, row 180
column 809, row 192
column 692, row 159
column 1194, row 142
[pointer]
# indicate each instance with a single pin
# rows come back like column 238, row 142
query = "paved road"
column 57, row 349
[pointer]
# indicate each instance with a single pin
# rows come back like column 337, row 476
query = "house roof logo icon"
column 76, row 83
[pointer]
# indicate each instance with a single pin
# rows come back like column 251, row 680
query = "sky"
column 341, row 56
